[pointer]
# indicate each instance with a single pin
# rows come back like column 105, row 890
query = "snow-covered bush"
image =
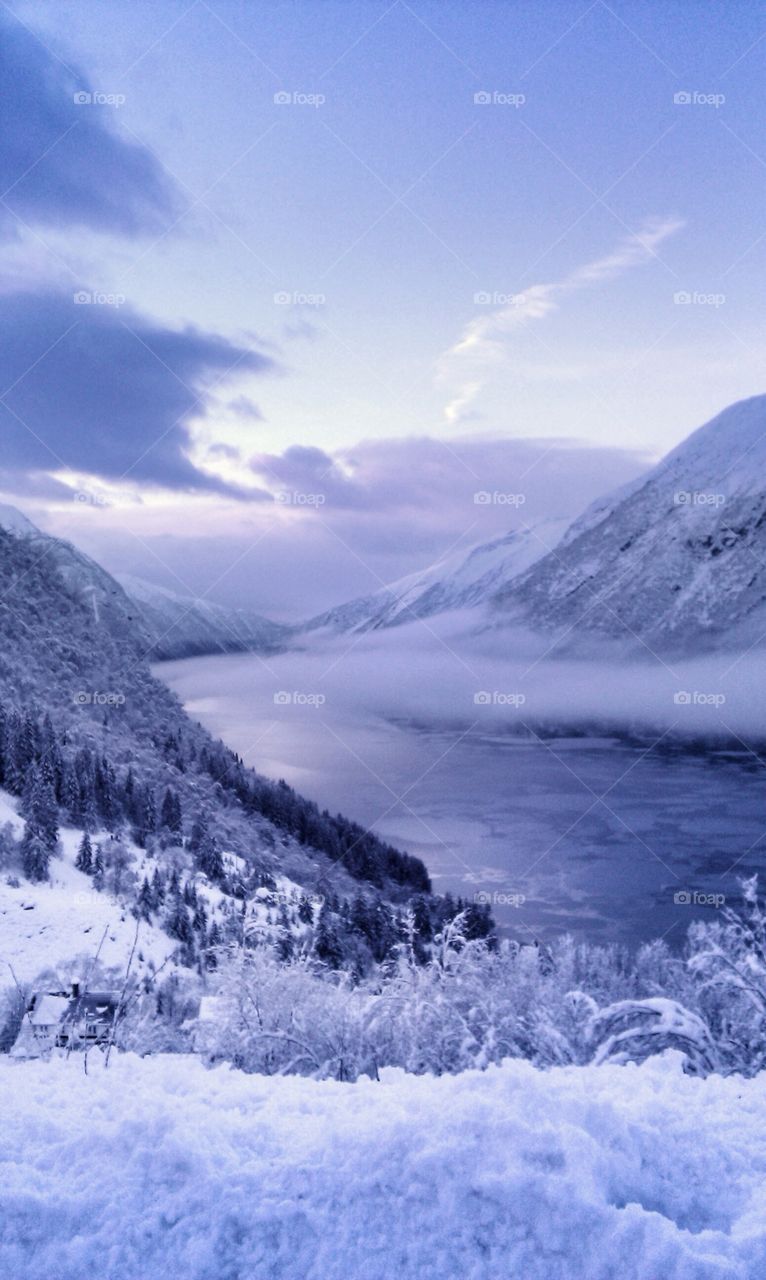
column 472, row 1005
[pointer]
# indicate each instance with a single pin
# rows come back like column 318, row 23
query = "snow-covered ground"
column 157, row 1168
column 43, row 925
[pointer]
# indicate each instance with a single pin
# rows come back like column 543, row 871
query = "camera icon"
column 482, row 498
column 682, row 298
column 482, row 299
column 81, row 699
column 482, row 698
column 82, row 297
column 482, row 898
column 682, row 698
column 283, row 299
column 282, row 98
column 682, row 898
column 82, row 99
column 682, row 99
column 282, row 698
column 482, row 98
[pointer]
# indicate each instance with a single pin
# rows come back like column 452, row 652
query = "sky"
column 283, row 286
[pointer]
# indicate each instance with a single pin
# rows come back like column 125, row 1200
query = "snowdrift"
column 158, row 1168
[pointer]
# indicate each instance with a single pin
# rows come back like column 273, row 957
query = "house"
column 75, row 1019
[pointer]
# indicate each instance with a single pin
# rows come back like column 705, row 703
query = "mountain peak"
column 14, row 521
column 729, row 450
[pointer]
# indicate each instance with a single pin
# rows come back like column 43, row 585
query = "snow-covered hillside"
column 167, row 625
column 65, row 918
column 157, row 1168
column 676, row 557
column 679, row 556
column 181, row 627
column 462, row 580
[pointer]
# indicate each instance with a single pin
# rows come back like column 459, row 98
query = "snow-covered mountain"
column 676, row 558
column 461, row 581
column 181, row 627
column 168, row 625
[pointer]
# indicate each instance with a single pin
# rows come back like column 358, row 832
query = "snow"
column 459, row 580
column 14, row 521
column 155, row 1168
column 48, row 1011
column 43, row 925
column 182, row 625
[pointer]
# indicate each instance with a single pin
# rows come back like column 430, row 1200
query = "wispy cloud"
column 466, row 367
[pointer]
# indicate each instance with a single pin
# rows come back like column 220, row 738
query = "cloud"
column 389, row 508
column 244, row 407
column 102, row 390
column 64, row 162
column 483, row 344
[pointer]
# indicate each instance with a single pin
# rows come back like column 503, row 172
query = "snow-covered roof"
column 48, row 1010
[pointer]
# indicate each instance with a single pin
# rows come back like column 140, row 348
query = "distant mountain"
column 461, row 581
column 168, row 625
column 181, row 626
column 676, row 558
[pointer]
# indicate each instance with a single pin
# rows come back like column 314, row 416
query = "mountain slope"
column 677, row 558
column 167, row 625
column 460, row 581
column 182, row 627
column 89, row 739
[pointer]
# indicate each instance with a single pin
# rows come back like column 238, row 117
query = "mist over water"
column 472, row 756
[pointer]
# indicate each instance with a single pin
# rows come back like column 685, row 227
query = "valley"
column 555, row 834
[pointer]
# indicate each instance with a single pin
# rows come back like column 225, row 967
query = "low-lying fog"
column 471, row 756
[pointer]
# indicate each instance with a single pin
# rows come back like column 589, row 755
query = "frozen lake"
column 597, row 837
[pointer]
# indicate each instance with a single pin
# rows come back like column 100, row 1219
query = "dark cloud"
column 64, row 162
column 102, row 390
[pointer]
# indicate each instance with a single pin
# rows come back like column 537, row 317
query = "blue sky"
column 323, row 285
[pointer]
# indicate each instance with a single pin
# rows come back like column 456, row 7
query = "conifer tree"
column 84, row 860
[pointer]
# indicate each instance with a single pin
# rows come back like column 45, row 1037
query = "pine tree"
column 208, row 858
column 40, row 808
column 98, row 868
column 145, row 901
column 36, row 856
column 84, row 860
column 327, row 944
